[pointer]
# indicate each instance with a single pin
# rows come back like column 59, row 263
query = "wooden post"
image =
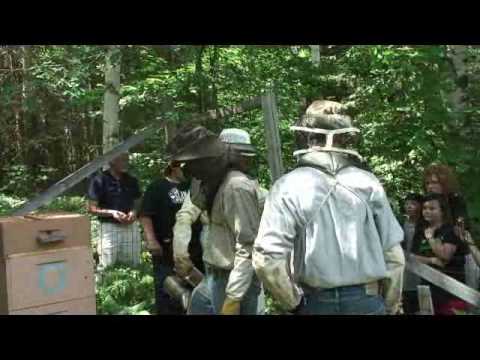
column 425, row 303
column 272, row 133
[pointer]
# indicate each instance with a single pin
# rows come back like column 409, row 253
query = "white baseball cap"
column 239, row 140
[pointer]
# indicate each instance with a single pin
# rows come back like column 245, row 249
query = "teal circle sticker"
column 58, row 270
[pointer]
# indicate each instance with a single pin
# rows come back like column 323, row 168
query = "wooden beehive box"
column 46, row 265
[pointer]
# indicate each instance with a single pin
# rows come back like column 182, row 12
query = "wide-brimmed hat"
column 192, row 143
column 206, row 147
column 239, row 140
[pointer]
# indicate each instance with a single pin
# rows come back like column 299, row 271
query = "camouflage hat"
column 328, row 115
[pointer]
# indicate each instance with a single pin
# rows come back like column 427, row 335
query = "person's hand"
column 231, row 307
column 183, row 266
column 154, row 248
column 119, row 216
column 299, row 307
column 459, row 228
column 467, row 238
column 429, row 232
column 437, row 262
column 131, row 217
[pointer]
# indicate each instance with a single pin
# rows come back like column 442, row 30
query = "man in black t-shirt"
column 161, row 203
column 113, row 197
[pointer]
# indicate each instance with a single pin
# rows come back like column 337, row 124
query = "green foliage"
column 147, row 167
column 7, row 204
column 272, row 307
column 126, row 291
column 19, row 179
column 398, row 94
column 72, row 204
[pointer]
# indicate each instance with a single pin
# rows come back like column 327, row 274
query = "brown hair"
column 444, row 206
column 445, row 176
column 169, row 169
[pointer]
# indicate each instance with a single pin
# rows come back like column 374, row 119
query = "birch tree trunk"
column 111, row 106
column 316, row 53
column 458, row 57
column 17, row 107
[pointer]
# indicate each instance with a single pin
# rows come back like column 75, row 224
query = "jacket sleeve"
column 393, row 284
column 243, row 218
column 274, row 248
column 262, row 196
column 182, row 231
column 391, row 236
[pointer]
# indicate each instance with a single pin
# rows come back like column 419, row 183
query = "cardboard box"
column 46, row 261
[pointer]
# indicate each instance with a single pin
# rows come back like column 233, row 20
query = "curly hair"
column 446, row 177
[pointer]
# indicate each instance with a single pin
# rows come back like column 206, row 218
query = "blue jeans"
column 201, row 302
column 252, row 303
column 349, row 300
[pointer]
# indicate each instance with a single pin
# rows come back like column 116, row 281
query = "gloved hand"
column 299, row 308
column 231, row 307
column 183, row 266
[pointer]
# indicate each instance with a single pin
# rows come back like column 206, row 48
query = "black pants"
column 164, row 304
column 410, row 302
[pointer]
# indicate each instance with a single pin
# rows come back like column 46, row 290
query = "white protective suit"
column 328, row 224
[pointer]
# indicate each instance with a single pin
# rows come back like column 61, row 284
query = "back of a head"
column 325, row 116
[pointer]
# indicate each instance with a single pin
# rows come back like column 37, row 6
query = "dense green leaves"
column 399, row 95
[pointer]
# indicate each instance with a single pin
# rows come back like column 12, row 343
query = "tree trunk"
column 214, row 76
column 458, row 56
column 170, row 127
column 111, row 107
column 200, row 78
column 170, row 131
column 17, row 110
column 316, row 53
column 35, row 154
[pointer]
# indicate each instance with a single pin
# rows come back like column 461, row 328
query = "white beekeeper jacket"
column 328, row 226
